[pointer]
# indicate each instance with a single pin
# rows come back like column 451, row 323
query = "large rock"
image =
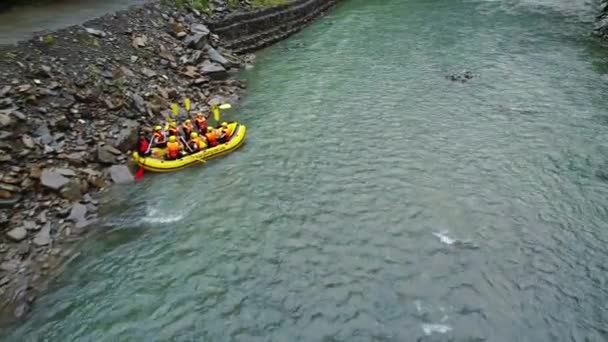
column 78, row 215
column 213, row 70
column 105, row 155
column 53, row 180
column 17, row 234
column 199, row 28
column 127, row 137
column 72, row 190
column 5, row 120
column 196, row 41
column 43, row 238
column 217, row 57
column 121, row 174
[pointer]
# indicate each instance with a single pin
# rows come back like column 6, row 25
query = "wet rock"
column 43, row 238
column 27, row 141
column 140, row 42
column 217, row 57
column 65, row 172
column 127, row 137
column 121, row 174
column 9, row 187
column 95, row 32
column 72, row 190
column 21, row 310
column 52, row 179
column 148, row 72
column 30, row 225
column 17, row 234
column 105, row 155
column 78, row 215
column 139, row 103
column 5, row 120
column 196, row 41
column 213, row 70
column 199, row 29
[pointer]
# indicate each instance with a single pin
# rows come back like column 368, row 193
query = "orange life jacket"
column 187, row 128
column 197, row 143
column 173, row 149
column 173, row 131
column 212, row 138
column 201, row 123
column 226, row 132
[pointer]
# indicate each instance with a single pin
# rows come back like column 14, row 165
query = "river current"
column 375, row 199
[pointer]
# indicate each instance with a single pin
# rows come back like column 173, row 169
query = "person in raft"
column 187, row 128
column 224, row 133
column 201, row 123
column 174, row 148
column 197, row 143
column 211, row 137
column 143, row 146
column 172, row 129
column 159, row 139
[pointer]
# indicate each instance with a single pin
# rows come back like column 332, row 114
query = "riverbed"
column 375, row 198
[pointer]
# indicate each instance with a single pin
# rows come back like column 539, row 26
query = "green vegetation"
column 200, row 5
column 268, row 3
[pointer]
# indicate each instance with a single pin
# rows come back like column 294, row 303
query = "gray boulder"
column 127, row 136
column 17, row 234
column 217, row 57
column 196, row 41
column 43, row 238
column 52, row 179
column 105, row 155
column 213, row 70
column 121, row 174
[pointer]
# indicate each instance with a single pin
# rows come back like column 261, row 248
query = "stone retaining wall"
column 249, row 31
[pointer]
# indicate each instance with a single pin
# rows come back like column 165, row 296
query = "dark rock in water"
column 217, row 57
column 213, row 70
column 105, row 156
column 463, row 76
column 121, row 174
column 127, row 137
column 21, row 310
column 53, row 180
column 17, row 234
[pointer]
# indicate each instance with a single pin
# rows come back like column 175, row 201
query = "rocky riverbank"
column 73, row 101
column 601, row 26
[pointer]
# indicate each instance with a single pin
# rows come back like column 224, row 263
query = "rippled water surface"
column 375, row 200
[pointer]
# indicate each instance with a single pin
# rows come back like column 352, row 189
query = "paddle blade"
column 187, row 103
column 139, row 175
column 216, row 114
column 225, row 106
column 174, row 109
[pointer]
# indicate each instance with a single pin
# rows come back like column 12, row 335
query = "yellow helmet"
column 172, row 138
column 187, row 121
column 209, row 129
column 172, row 124
column 199, row 114
column 193, row 135
column 224, row 124
column 157, row 128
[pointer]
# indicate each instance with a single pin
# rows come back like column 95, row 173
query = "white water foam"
column 154, row 216
column 435, row 328
column 444, row 238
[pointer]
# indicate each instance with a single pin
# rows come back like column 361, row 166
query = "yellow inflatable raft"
column 156, row 162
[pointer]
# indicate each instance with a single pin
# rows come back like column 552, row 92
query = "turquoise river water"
column 375, row 200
